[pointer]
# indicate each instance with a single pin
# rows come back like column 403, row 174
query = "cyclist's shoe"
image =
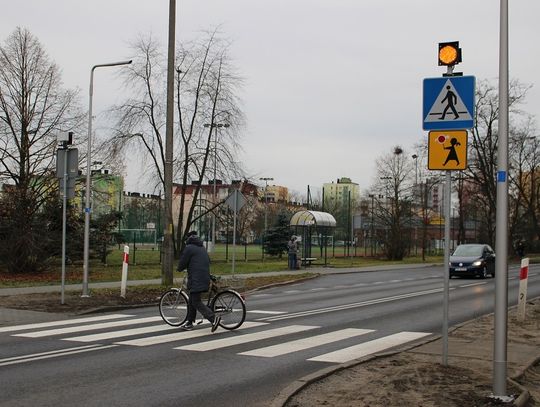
column 215, row 324
column 186, row 326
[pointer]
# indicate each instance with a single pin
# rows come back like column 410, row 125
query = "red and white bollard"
column 125, row 263
column 523, row 278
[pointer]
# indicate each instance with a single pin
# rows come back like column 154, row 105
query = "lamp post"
column 265, row 179
column 215, row 126
column 372, row 196
column 87, row 204
column 415, row 158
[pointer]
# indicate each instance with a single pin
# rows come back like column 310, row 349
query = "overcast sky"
column 330, row 85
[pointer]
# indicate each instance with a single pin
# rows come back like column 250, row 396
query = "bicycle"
column 225, row 302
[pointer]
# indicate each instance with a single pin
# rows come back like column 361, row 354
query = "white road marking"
column 15, row 328
column 121, row 334
column 52, row 354
column 256, row 311
column 472, row 284
column 306, row 343
column 349, row 306
column 292, row 292
column 182, row 335
column 368, row 348
column 239, row 339
column 104, row 325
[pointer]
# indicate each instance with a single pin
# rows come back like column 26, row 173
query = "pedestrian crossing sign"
column 448, row 103
column 447, row 150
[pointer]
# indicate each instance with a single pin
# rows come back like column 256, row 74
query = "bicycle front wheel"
column 173, row 307
column 230, row 306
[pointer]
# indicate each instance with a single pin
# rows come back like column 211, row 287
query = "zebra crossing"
column 107, row 331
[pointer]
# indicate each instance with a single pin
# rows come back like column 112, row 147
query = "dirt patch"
column 417, row 379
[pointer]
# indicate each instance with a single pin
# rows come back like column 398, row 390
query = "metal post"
column 64, row 219
column 372, row 196
column 214, row 191
column 501, row 263
column 235, row 210
column 87, row 203
column 168, row 250
column 265, row 179
column 446, row 276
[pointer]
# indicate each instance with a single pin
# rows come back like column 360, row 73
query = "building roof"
column 312, row 218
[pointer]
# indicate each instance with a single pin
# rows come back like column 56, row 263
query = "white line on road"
column 60, row 331
column 120, row 334
column 368, row 348
column 63, row 322
column 183, row 335
column 256, row 311
column 472, row 284
column 240, row 339
column 53, row 354
column 306, row 343
column 349, row 306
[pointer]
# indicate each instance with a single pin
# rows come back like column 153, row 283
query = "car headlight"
column 477, row 263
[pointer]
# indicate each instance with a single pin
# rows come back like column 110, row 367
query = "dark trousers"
column 292, row 261
column 195, row 304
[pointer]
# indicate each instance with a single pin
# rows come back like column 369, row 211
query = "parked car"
column 472, row 260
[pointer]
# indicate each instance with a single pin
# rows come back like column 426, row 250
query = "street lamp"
column 215, row 126
column 415, row 158
column 87, row 207
column 265, row 179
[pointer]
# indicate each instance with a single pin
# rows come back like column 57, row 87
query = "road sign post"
column 448, row 106
column 66, row 171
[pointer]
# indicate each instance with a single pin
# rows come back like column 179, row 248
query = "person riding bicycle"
column 195, row 259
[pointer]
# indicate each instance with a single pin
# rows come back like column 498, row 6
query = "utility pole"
column 168, row 249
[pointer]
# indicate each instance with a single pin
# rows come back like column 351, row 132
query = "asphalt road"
column 131, row 358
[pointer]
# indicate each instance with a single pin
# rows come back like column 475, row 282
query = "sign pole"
column 235, row 210
column 501, row 223
column 447, row 204
column 64, row 219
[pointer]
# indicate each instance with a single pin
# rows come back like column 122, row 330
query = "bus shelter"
column 314, row 227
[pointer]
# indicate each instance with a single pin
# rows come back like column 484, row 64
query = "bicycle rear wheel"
column 173, row 307
column 230, row 306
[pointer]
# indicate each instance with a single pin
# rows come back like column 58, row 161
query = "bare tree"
column 206, row 93
column 207, row 87
column 395, row 171
column 524, row 186
column 482, row 160
column 33, row 110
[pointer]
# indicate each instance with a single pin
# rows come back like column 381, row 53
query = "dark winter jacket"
column 195, row 259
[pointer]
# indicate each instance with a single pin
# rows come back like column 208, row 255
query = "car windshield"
column 468, row 251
